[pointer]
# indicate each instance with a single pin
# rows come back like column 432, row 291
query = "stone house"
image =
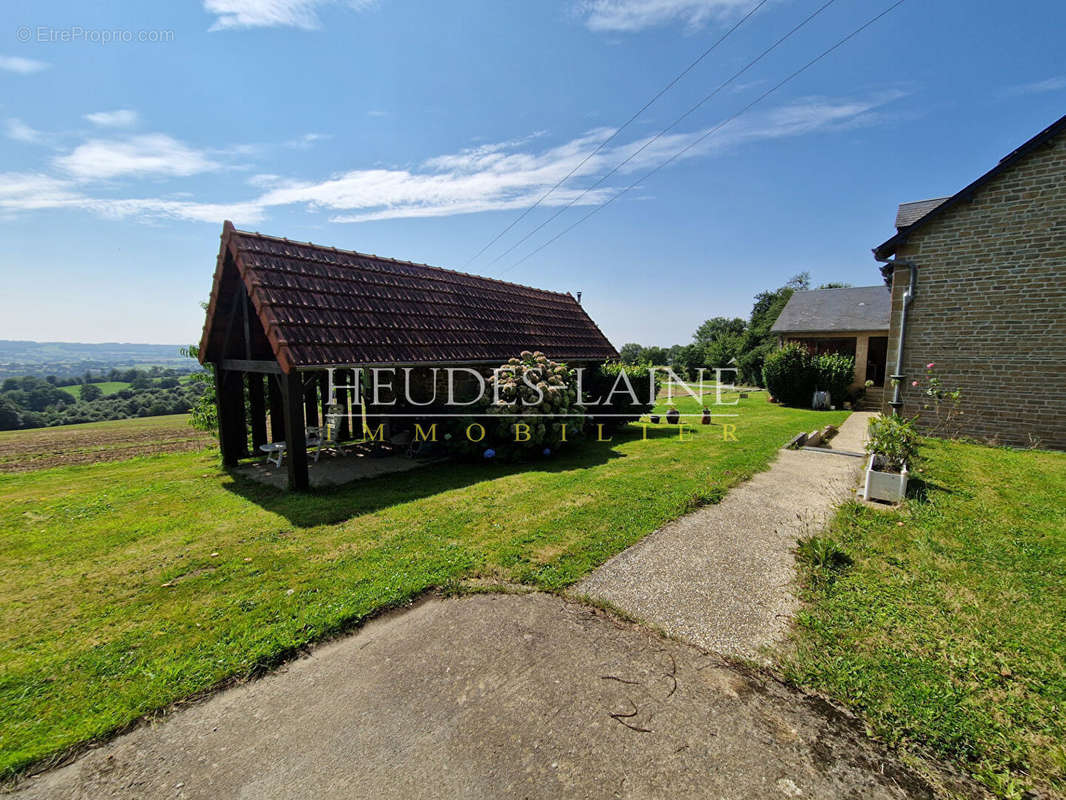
column 978, row 284
column 852, row 321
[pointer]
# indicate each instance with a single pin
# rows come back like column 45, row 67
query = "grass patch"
column 129, row 585
column 947, row 629
column 107, row 387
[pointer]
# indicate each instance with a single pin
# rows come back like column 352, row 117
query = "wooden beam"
column 257, row 407
column 245, row 365
column 232, row 434
column 245, row 302
column 292, row 392
column 277, row 410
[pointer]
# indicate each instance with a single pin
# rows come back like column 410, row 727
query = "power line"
column 607, row 141
column 668, row 128
column 712, row 131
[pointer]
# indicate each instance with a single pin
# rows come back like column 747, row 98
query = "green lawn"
column 949, row 628
column 128, row 585
column 107, row 387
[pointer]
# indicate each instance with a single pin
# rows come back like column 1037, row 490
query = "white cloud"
column 271, row 13
column 243, row 213
column 1039, row 87
column 489, row 177
column 307, row 140
column 150, row 154
column 508, row 175
column 122, row 118
column 486, row 178
column 628, row 16
column 21, row 132
column 23, row 66
column 20, row 191
column 28, row 191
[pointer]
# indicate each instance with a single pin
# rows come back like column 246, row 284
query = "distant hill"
column 74, row 358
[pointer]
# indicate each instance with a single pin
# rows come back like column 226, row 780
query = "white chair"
column 321, row 439
column 275, row 452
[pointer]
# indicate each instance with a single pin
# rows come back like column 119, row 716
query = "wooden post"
column 310, row 399
column 232, row 433
column 277, row 409
column 292, row 392
column 257, row 406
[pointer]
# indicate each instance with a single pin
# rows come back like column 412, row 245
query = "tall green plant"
column 790, row 376
column 204, row 411
column 835, row 372
column 623, row 407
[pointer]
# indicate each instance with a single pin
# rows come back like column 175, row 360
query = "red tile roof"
column 322, row 306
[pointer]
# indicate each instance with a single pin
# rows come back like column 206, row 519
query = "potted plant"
column 892, row 447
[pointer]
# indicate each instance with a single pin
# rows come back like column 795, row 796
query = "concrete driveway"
column 494, row 696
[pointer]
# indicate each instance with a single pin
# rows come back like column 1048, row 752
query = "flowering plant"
column 940, row 406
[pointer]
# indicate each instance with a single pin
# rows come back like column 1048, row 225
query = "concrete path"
column 722, row 576
column 494, row 696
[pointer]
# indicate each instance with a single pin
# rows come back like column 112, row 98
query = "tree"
column 655, row 355
column 718, row 326
column 835, row 285
column 799, row 282
column 723, row 350
column 90, row 392
column 10, row 419
column 630, row 353
column 140, row 381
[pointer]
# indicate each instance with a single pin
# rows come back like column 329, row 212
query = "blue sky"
column 420, row 130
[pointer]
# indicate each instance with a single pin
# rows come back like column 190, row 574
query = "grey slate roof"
column 909, row 213
column 861, row 308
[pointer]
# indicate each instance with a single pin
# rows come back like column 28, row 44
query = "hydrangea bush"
column 533, row 409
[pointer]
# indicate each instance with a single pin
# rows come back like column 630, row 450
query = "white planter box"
column 888, row 486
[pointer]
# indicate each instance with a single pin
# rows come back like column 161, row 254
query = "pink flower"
column 914, row 383
column 930, row 365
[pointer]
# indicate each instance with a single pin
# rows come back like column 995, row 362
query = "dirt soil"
column 42, row 448
column 490, row 696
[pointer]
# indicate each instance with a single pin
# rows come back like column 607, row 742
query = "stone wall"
column 990, row 306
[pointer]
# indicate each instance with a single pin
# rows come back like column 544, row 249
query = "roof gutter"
column 897, row 379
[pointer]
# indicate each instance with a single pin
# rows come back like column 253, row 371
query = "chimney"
column 579, row 298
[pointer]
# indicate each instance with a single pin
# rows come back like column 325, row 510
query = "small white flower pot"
column 888, row 486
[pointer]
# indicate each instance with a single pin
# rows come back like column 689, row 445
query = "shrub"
column 895, row 440
column 599, row 382
column 537, row 396
column 835, row 372
column 789, row 375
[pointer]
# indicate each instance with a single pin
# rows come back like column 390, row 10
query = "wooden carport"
column 282, row 313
